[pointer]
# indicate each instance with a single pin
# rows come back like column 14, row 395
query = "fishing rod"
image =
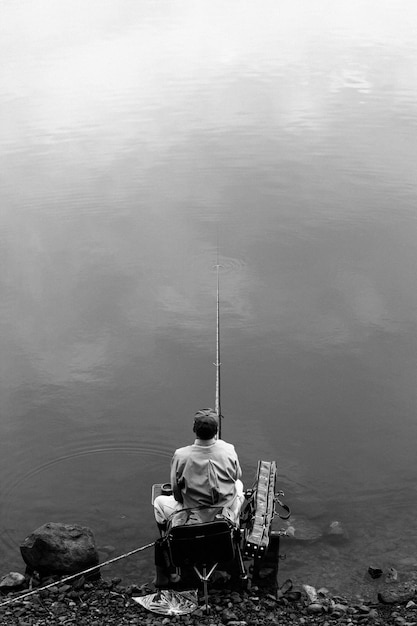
column 217, row 364
column 56, row 583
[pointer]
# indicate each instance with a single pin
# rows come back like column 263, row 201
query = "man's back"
column 205, row 473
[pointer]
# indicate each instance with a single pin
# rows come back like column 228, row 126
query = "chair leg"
column 204, row 576
column 205, row 590
column 242, row 570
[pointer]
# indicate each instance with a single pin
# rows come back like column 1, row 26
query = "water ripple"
column 13, row 485
column 231, row 265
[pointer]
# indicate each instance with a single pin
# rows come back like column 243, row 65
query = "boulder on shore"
column 59, row 549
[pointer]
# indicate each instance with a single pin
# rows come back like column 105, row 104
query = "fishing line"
column 77, row 575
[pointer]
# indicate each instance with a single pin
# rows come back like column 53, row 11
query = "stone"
column 323, row 592
column 311, row 593
column 236, row 598
column 229, row 616
column 57, row 549
column 336, row 532
column 374, row 572
column 391, row 576
column 11, row 580
column 220, row 577
column 302, row 529
column 397, row 597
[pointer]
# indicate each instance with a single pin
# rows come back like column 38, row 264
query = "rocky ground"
column 108, row 602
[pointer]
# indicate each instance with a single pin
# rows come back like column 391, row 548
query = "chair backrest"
column 207, row 543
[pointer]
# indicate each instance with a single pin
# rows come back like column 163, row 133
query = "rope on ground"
column 77, row 575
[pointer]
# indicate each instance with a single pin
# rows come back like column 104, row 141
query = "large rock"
column 59, row 549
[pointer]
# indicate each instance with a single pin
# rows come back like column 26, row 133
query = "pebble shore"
column 108, row 602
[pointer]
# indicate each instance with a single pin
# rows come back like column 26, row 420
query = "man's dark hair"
column 205, row 424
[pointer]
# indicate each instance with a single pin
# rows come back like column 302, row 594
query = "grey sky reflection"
column 128, row 129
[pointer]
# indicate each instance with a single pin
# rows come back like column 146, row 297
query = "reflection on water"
column 135, row 139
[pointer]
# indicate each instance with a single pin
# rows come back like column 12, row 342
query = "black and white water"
column 136, row 137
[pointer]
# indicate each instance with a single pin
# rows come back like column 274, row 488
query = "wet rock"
column 336, row 613
column 59, row 549
column 311, row 593
column 269, row 603
column 99, row 604
column 302, row 529
column 314, row 609
column 220, row 577
column 284, row 588
column 12, row 580
column 290, row 596
column 229, row 616
column 79, row 583
column 336, row 532
column 397, row 597
column 391, row 576
column 323, row 592
column 236, row 598
column 374, row 572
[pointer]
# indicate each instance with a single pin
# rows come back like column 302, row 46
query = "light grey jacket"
column 205, row 475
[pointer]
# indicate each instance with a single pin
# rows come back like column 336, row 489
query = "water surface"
column 138, row 142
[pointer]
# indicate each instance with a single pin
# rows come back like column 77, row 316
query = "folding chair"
column 202, row 547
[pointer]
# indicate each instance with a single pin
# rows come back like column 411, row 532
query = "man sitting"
column 204, row 474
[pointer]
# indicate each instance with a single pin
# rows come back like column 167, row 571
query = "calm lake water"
column 137, row 138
